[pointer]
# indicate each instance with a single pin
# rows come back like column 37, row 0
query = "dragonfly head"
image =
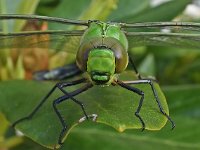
column 101, row 66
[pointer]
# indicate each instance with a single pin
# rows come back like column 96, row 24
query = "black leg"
column 135, row 69
column 61, row 84
column 139, row 92
column 63, row 98
column 148, row 81
column 75, row 100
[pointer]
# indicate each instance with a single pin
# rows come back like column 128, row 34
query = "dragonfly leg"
column 63, row 84
column 135, row 69
column 64, row 98
column 139, row 92
column 75, row 100
column 150, row 82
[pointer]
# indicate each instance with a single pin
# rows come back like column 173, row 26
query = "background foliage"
column 177, row 70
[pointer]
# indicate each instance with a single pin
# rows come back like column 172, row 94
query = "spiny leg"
column 139, row 92
column 63, row 98
column 148, row 81
column 64, row 84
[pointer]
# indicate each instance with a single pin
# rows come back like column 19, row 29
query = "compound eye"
column 121, row 63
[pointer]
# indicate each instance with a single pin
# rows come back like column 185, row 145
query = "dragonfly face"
column 103, row 52
column 101, row 65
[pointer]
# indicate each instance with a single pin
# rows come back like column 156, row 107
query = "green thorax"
column 103, row 52
column 102, row 29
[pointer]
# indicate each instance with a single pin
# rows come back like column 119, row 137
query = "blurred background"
column 176, row 69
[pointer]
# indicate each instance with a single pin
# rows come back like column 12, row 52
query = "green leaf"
column 17, row 7
column 68, row 12
column 163, row 12
column 3, row 125
column 99, row 10
column 147, row 67
column 88, row 9
column 45, row 7
column 184, row 107
column 127, row 8
column 181, row 67
column 3, row 25
column 25, row 7
column 114, row 106
column 67, row 5
column 85, row 10
column 28, row 145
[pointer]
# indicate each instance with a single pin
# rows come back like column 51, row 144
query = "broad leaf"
column 17, row 7
column 128, row 8
column 163, row 12
column 114, row 106
column 184, row 104
column 184, row 107
column 147, row 67
column 85, row 10
column 25, row 7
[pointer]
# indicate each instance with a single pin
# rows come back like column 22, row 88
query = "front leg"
column 64, row 98
column 74, row 100
column 139, row 92
column 150, row 82
column 58, row 85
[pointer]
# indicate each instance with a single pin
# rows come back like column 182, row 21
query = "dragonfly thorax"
column 101, row 65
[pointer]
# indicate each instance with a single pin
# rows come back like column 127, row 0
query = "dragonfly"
column 102, row 52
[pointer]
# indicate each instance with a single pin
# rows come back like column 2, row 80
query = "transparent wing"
column 32, row 37
column 178, row 34
column 56, row 40
column 44, row 18
column 164, row 39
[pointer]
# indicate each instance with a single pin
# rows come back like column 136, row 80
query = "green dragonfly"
column 101, row 54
